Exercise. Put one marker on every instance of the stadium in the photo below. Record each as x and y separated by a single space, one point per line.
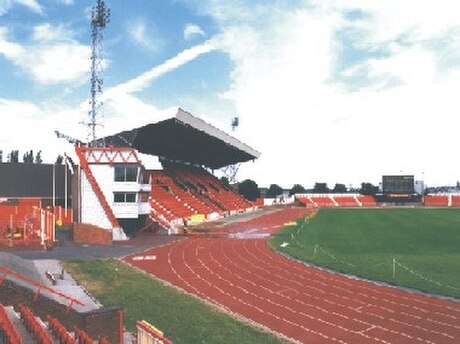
102 248
188 230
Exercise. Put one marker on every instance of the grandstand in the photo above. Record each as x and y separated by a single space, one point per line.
116 193
110 193
358 200
442 200
335 200
436 200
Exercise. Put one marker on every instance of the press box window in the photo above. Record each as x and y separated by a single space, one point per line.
124 197
125 174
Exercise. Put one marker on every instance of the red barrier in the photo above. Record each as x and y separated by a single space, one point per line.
82 337
25 222
33 326
8 272
8 332
59 331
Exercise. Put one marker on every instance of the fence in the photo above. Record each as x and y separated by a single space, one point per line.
25 222
149 334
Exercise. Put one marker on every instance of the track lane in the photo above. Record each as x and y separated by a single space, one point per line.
299 301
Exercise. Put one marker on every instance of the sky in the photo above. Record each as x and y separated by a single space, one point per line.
327 90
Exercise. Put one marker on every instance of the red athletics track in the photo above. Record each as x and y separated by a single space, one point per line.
303 303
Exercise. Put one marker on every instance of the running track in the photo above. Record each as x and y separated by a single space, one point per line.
302 303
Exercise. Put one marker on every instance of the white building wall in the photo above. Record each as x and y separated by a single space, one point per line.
105 176
91 209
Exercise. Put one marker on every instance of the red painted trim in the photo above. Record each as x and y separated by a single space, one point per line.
121 321
96 155
10 331
85 166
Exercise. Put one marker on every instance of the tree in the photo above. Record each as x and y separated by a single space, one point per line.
339 188
296 189
273 191
59 159
368 189
320 188
1 155
13 157
249 189
38 158
28 157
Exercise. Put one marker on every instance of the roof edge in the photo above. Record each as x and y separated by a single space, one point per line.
197 123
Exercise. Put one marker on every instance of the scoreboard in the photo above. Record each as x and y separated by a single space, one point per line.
398 185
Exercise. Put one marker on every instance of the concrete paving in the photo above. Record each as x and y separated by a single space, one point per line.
65 250
23 266
66 285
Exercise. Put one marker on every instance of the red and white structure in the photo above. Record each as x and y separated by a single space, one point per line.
110 187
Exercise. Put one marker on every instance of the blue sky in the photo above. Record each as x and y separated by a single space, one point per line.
327 90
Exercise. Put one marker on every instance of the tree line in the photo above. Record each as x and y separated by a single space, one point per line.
29 157
251 191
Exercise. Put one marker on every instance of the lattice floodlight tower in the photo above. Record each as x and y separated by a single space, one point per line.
100 17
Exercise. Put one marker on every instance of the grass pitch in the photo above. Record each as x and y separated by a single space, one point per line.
416 248
183 318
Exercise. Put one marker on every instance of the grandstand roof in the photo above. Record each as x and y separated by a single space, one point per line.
185 138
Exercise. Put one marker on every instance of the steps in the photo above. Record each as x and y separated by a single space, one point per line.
20 328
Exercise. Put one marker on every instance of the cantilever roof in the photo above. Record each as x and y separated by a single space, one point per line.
186 138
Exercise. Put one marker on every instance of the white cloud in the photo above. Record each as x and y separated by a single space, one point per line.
47 32
192 30
143 80
6 5
391 107
385 21
62 63
51 56
31 4
143 35
35 123
66 2
10 50
308 126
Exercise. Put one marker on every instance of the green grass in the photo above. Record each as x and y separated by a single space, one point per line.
364 242
183 319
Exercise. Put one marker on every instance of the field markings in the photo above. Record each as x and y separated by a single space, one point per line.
229 272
